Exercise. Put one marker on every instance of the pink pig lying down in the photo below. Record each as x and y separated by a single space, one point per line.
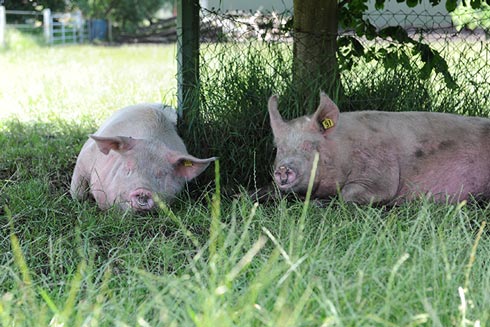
382 157
135 157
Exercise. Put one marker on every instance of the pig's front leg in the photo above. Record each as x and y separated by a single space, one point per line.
364 191
79 182
360 194
79 186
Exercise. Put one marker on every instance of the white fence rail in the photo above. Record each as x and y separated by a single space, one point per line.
3 23
58 28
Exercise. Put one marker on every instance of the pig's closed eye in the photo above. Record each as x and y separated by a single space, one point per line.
130 166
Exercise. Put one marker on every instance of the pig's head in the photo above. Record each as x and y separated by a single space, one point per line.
298 140
138 171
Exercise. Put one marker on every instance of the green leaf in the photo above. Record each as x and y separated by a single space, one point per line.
357 47
370 31
425 71
404 59
397 33
379 4
412 3
425 52
451 5
360 28
358 6
476 4
391 60
434 61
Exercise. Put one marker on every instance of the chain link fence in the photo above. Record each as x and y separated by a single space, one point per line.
247 56
465 51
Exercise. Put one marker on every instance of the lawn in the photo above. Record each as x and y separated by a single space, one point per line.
211 259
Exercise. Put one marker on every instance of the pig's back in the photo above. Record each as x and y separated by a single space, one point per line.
415 127
151 121
437 153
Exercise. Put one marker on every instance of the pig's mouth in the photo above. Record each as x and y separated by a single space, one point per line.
285 177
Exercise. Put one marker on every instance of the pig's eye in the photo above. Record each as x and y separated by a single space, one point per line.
130 165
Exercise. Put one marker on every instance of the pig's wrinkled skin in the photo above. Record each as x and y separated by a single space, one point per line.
383 157
135 157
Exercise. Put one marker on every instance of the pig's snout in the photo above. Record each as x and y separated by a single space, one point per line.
284 176
141 200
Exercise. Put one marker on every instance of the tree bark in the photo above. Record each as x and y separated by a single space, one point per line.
315 65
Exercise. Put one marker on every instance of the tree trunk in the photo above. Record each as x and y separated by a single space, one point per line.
315 65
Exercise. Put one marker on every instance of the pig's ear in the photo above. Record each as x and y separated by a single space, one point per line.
187 166
277 123
116 143
326 115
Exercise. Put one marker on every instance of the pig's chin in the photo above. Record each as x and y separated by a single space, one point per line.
288 187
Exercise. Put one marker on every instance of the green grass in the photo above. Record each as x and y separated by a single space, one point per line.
211 259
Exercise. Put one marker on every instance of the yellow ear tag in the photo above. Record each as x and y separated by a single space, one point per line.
187 163
327 123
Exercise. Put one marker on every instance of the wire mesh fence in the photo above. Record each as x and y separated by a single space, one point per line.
233 37
247 56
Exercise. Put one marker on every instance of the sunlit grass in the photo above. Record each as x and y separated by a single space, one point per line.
69 82
211 259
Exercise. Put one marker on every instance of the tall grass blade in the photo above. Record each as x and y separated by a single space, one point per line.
214 229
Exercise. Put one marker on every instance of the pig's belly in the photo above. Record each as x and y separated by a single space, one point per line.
451 181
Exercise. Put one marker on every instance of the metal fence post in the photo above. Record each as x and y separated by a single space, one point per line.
47 25
187 55
3 24
63 37
78 25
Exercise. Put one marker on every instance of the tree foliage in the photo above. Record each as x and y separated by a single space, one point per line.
125 13
466 16
322 58
37 5
351 16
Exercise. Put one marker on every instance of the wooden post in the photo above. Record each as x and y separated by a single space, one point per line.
315 65
187 55
3 24
47 26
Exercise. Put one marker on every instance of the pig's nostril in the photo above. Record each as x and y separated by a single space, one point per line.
284 175
142 200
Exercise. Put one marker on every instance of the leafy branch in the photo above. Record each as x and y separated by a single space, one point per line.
401 45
